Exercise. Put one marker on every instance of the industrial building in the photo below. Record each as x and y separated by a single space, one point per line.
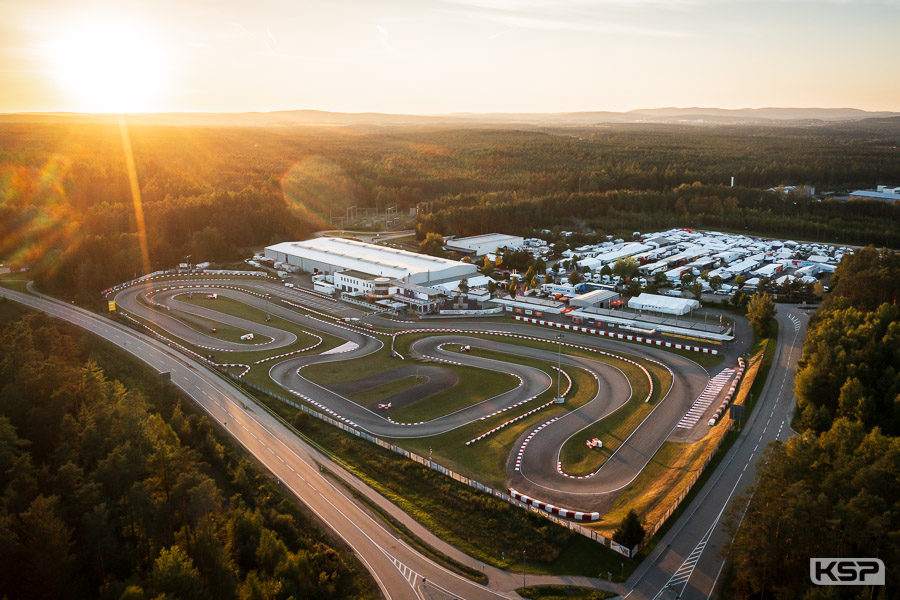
333 255
489 243
597 298
663 304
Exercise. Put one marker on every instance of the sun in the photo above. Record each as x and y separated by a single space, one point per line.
109 65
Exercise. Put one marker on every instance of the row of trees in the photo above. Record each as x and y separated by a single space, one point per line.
751 211
833 490
66 208
106 492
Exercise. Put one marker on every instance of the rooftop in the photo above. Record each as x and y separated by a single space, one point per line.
325 248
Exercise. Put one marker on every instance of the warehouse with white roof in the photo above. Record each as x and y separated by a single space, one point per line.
488 243
663 304
331 255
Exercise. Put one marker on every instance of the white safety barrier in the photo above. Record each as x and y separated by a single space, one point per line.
555 510
710 392
730 395
617 336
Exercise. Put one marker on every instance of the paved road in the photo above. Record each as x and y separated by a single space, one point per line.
400 571
539 476
686 563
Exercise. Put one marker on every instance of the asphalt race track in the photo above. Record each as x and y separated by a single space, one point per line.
399 566
539 476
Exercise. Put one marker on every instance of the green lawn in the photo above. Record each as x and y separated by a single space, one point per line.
474 385
578 459
482 526
485 460
224 332
563 592
13 281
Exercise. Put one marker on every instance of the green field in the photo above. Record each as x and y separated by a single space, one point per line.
563 592
578 459
485 460
474 386
224 332
494 531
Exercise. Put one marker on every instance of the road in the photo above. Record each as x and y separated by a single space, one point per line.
400 571
686 563
539 476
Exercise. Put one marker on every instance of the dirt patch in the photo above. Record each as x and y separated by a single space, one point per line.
434 379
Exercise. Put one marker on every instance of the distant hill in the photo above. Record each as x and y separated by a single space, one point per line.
289 118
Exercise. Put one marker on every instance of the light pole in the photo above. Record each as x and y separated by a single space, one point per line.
267 308
559 338
523 569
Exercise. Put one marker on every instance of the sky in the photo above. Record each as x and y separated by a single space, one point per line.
445 56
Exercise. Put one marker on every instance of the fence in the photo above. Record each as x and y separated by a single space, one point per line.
690 486
175 272
575 527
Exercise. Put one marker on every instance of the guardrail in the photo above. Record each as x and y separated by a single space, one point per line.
571 525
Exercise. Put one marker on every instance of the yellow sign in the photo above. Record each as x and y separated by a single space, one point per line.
112 305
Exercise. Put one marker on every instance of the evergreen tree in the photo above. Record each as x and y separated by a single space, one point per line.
630 532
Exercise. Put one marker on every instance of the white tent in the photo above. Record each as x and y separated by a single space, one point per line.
663 304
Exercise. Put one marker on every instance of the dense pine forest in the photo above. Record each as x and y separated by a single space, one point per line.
116 490
67 210
833 490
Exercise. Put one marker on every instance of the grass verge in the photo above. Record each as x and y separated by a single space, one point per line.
563 592
492 531
755 376
408 536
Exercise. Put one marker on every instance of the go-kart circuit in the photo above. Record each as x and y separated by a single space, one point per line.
297 336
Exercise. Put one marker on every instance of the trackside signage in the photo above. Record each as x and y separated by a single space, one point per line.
846 571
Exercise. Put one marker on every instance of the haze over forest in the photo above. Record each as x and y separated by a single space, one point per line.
690 115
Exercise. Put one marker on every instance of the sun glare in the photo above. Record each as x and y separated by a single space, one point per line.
109 65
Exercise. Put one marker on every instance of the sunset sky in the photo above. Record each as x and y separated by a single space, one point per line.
429 56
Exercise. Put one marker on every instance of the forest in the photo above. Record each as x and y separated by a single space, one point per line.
116 490
67 210
833 490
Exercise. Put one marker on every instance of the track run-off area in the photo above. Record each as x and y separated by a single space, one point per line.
478 396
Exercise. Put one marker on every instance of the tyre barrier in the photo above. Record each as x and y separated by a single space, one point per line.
528 439
730 395
617 336
555 510
710 392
